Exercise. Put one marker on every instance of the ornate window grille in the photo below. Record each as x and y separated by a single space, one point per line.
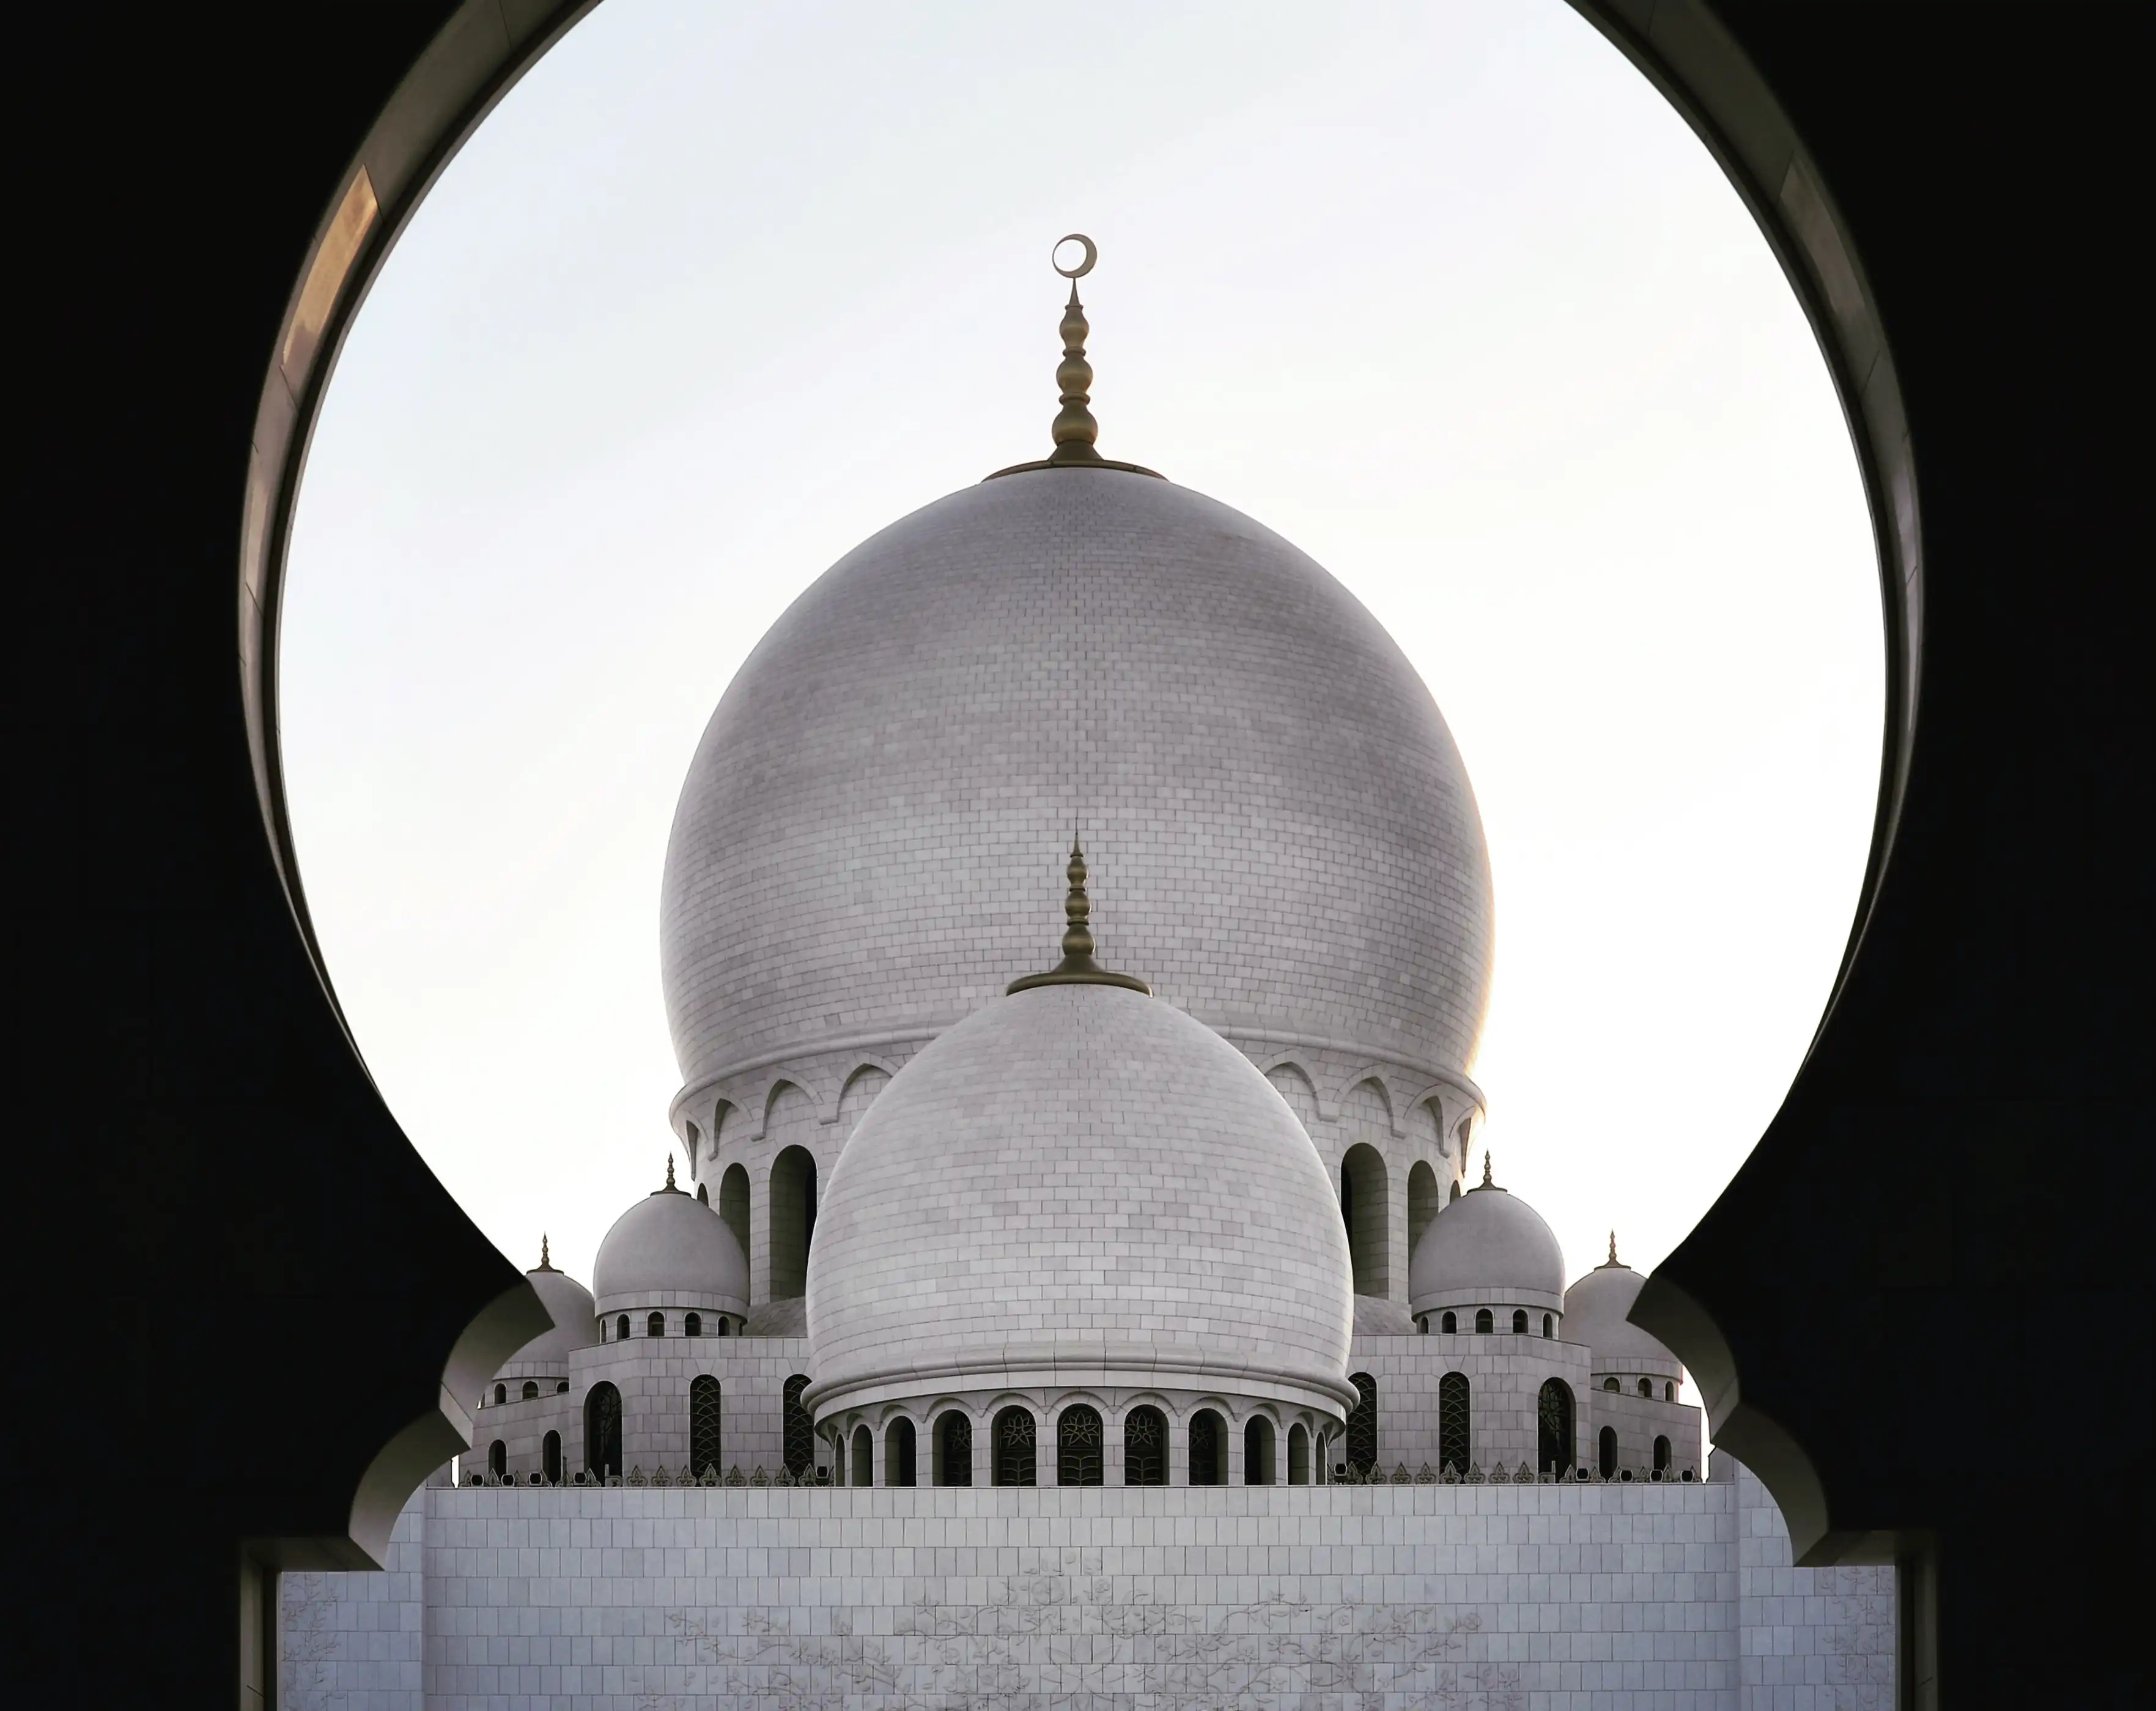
602 1428
704 1419
1362 1425
800 1431
1078 1447
1144 1447
1455 1446
1207 1451
1014 1443
954 1437
1553 1426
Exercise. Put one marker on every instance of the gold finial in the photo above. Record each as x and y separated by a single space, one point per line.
545 1263
1074 430
671 1189
1613 1248
1077 967
1487 1180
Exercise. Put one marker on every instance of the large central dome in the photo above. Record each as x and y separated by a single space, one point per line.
1284 837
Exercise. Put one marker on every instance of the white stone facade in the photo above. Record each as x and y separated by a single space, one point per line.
1526 1598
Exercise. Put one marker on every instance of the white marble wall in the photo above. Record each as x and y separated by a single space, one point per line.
1540 1598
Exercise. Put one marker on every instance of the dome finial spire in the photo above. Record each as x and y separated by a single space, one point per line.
1613 1247
1486 1181
545 1262
1075 430
1077 967
670 1173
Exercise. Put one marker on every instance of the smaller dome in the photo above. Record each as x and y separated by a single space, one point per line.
1594 1314
1489 1248
670 1250
575 1324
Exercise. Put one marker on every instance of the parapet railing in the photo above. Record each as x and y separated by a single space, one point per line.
819 1479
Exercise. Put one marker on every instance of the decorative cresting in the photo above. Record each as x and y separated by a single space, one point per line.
1077 967
1074 430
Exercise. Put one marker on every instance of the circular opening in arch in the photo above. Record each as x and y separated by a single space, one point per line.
512 552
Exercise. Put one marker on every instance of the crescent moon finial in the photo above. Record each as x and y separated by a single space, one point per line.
1084 267
1074 430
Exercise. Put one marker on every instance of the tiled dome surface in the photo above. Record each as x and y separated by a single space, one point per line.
1076 1176
1282 834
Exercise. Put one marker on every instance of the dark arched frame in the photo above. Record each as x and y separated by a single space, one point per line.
954 1449
898 1448
1012 1447
481 51
1363 1424
1605 1446
1080 1446
1209 1448
1366 1213
549 1457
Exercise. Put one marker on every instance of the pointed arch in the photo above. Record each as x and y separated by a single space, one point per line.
603 1431
1553 1427
734 1204
859 1092
1366 1105
792 1214
1292 1083
705 1449
1363 1424
1455 1439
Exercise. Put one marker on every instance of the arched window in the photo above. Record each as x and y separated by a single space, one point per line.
1456 1192
621 1328
549 1457
1449 1324
898 1452
497 1458
1144 1447
1606 1447
1298 1454
692 1325
1484 1321
726 1327
733 1203
603 1429
561 1387
1611 1384
793 1221
1553 1426
1423 1202
954 1450
703 1193
655 1326
1549 1325
1362 1210
1014 1448
501 1393
1363 1424
1647 1388
1422 1323
1208 1449
1662 1455
797 1430
1669 1392
1258 1451
864 1472
1454 1445
705 1450
530 1390
1078 1441
1519 1322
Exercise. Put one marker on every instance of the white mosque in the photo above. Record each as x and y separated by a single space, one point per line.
1114 1322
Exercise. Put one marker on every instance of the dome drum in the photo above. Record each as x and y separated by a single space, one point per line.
670 1252
1487 1249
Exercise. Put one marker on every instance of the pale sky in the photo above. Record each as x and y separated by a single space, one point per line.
1447 295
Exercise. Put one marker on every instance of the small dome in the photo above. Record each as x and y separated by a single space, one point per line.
1489 1248
1078 1183
575 1324
670 1250
1594 1314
